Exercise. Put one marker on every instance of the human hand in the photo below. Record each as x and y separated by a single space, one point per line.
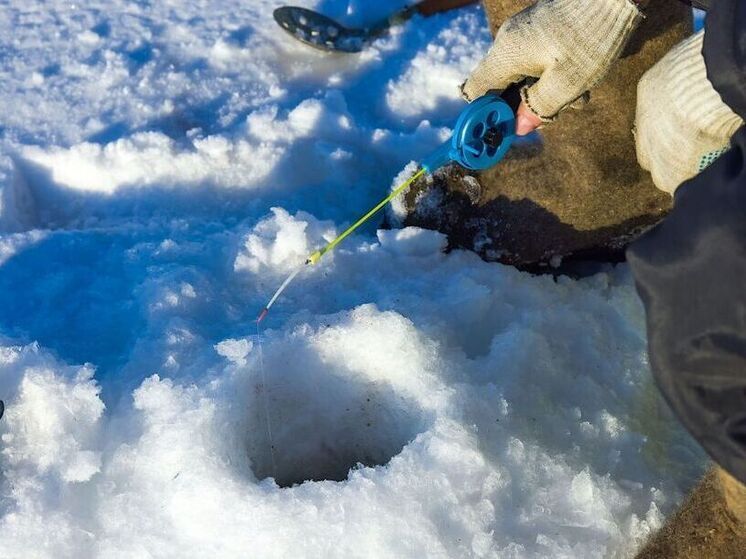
569 45
682 124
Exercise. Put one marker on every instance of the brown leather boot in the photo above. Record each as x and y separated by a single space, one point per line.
711 523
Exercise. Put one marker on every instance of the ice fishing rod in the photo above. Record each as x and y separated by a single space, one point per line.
483 134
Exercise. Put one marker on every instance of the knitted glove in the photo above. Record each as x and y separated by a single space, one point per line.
682 124
568 44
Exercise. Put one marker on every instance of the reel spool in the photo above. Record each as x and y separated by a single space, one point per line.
483 134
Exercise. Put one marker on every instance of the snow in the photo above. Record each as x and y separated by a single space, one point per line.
235 350
280 242
413 241
162 168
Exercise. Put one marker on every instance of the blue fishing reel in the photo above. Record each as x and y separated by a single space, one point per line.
483 134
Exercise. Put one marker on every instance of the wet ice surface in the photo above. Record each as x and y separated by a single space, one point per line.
162 170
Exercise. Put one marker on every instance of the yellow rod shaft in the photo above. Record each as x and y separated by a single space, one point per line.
316 256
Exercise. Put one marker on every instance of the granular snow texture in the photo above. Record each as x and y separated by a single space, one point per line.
162 167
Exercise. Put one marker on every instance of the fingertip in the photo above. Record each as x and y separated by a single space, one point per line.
523 126
526 120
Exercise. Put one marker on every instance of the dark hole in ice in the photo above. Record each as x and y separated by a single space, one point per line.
324 425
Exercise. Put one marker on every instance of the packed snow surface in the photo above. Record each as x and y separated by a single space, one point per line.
163 166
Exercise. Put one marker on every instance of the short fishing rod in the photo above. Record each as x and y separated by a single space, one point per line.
483 134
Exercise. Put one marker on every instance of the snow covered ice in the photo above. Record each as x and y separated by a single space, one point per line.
162 167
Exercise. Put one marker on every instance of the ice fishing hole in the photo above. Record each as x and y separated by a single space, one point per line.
325 422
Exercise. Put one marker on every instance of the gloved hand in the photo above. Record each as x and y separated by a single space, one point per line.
568 44
682 124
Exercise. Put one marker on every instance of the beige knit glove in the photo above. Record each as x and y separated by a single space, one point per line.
568 44
682 124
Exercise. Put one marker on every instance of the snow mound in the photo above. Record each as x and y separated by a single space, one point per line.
397 210
282 242
151 158
54 415
430 77
235 351
413 241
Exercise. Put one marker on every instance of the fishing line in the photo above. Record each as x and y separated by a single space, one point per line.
265 391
